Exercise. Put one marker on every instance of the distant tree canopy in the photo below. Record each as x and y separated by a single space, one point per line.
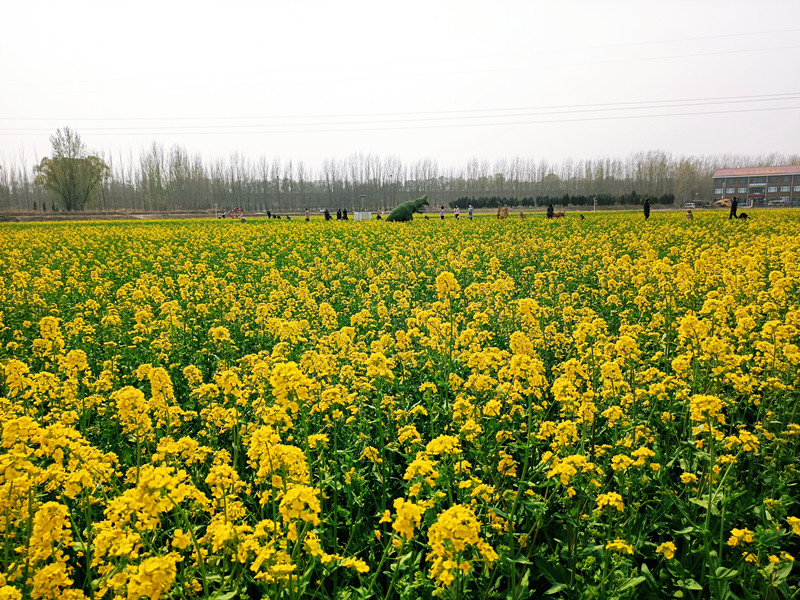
173 179
71 175
566 200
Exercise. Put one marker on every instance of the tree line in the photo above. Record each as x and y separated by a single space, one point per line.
566 200
167 180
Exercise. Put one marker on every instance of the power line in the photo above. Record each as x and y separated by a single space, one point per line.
124 132
632 104
416 120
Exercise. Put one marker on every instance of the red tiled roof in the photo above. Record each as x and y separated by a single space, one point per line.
745 171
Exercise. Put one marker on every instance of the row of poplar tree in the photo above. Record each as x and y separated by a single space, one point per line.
162 180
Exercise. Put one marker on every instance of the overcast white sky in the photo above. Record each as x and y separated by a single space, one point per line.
307 79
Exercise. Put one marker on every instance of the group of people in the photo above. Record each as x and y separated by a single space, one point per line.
341 215
690 216
456 212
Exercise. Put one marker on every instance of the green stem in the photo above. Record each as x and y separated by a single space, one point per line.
190 531
300 539
380 564
138 457
393 581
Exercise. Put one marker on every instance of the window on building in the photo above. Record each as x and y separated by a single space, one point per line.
786 179
719 181
785 199
797 188
718 191
772 188
729 190
758 180
784 188
742 191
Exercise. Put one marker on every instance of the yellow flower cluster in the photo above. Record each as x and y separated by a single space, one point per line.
454 539
740 536
611 500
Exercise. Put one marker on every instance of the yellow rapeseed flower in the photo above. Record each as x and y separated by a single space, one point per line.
667 549
620 545
611 500
794 523
740 536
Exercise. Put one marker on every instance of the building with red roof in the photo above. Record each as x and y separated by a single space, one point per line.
759 186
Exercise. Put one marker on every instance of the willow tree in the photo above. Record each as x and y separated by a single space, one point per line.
71 175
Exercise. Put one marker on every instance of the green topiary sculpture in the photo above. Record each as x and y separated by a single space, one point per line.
405 211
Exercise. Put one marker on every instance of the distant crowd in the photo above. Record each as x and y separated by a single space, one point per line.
502 213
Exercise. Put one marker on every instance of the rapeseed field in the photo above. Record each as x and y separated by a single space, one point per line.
604 408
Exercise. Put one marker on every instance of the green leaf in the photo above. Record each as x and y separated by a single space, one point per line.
691 584
555 589
553 572
645 570
725 573
783 572
769 538
521 591
500 512
631 583
731 496
704 504
403 559
588 550
784 589
526 578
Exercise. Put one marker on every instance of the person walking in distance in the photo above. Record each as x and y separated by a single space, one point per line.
734 206
441 213
457 212
550 211
469 212
647 208
308 216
